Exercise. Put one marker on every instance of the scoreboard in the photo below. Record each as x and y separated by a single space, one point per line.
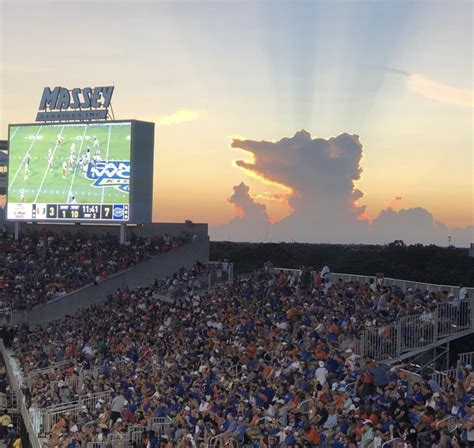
94 171
93 212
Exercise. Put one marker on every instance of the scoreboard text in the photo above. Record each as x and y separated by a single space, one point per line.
102 212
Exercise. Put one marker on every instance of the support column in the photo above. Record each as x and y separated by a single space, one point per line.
17 230
123 234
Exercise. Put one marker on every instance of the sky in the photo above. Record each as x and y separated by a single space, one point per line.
211 75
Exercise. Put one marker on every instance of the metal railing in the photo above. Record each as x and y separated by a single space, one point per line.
387 281
393 443
110 444
73 382
411 378
44 419
136 434
439 377
306 406
33 374
450 423
404 284
267 418
160 425
217 441
466 358
12 380
414 332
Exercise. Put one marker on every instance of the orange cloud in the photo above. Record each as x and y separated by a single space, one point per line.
265 180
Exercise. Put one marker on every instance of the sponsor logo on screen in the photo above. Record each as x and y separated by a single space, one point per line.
118 212
113 173
19 211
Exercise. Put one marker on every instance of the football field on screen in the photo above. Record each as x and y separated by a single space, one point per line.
42 184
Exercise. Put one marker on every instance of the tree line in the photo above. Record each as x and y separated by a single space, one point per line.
430 264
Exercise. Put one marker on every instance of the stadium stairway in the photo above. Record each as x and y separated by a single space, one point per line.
422 340
141 275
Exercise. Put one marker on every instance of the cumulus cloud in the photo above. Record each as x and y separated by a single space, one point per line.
416 225
251 221
316 177
413 225
246 206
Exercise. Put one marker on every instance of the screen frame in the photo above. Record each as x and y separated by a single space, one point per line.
75 220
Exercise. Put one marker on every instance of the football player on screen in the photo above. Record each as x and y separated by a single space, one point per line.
72 198
71 161
22 195
27 166
64 169
50 159
58 140
96 141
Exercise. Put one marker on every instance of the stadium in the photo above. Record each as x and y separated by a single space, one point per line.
127 335
121 330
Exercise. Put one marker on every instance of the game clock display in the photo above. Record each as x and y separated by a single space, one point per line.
108 212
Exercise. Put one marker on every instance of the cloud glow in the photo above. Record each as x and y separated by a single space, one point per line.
440 92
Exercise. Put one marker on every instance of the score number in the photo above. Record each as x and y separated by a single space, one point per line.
106 211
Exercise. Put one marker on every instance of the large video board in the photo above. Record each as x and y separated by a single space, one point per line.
70 172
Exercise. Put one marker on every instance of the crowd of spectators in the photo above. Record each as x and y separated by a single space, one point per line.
200 276
41 266
268 360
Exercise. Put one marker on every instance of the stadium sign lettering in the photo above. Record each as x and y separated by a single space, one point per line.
63 104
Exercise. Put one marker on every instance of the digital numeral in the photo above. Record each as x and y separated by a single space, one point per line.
106 212
52 211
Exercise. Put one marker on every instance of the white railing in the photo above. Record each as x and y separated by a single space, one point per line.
136 433
411 378
32 436
439 377
393 443
44 419
110 444
267 418
387 281
71 381
404 284
414 332
160 425
466 358
450 423
53 368
306 406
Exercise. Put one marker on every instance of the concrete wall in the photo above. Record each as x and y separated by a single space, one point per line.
143 274
155 229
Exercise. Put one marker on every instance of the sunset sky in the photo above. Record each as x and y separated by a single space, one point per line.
396 73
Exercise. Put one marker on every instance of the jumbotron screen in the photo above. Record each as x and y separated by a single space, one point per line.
69 172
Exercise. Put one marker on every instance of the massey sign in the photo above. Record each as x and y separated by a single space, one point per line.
60 104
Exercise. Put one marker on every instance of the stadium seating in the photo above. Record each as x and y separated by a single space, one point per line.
269 360
43 266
